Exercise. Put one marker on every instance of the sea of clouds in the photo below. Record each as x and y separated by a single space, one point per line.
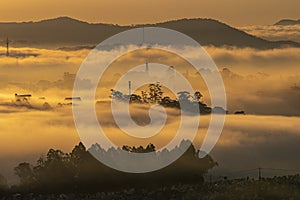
257 81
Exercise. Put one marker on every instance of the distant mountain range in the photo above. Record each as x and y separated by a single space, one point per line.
286 22
66 32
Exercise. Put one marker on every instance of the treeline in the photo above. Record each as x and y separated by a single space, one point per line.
155 95
79 171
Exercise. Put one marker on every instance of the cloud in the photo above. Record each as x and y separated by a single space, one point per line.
274 33
251 60
258 81
27 134
247 141
261 85
258 141
48 65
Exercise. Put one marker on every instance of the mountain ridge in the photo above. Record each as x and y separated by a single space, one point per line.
66 31
286 22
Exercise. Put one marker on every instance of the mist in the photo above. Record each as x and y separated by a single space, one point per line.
259 82
274 32
246 141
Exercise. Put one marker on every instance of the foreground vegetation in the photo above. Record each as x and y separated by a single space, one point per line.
79 171
277 188
78 175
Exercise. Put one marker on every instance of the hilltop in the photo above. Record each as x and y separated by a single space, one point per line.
286 22
65 31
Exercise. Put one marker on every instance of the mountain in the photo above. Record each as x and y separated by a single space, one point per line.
286 22
65 31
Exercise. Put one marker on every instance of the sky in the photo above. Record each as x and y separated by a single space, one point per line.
233 12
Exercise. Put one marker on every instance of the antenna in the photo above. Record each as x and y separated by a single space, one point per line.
143 35
129 87
7 46
147 67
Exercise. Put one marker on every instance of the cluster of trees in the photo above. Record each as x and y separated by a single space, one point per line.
3 184
80 171
149 148
155 95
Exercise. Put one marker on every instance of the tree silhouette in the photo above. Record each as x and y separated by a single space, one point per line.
197 96
134 98
25 172
115 94
150 148
145 97
3 183
55 170
184 96
155 93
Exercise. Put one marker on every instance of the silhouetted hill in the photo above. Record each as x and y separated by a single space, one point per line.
286 22
213 32
65 31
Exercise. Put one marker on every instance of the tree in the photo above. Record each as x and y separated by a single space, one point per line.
25 172
3 183
54 171
134 98
184 96
197 96
150 148
56 156
80 171
166 101
145 97
115 94
78 153
155 93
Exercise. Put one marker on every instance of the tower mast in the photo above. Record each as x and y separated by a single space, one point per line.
129 87
7 47
147 68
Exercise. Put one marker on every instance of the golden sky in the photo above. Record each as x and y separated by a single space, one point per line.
233 12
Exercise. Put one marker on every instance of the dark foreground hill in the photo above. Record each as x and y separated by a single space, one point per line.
65 31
